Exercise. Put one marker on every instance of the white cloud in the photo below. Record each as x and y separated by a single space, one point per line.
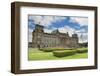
46 20
83 37
81 31
66 29
81 20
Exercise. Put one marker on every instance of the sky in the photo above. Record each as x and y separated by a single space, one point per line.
70 24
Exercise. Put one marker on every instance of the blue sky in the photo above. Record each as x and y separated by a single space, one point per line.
64 24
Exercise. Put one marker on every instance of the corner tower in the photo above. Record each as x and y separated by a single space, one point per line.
75 40
37 36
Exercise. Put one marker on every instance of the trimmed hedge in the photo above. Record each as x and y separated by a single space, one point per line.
53 49
46 49
82 50
78 50
64 53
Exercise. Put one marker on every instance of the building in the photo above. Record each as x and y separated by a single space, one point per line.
55 39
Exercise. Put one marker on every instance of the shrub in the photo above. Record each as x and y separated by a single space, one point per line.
62 49
47 49
82 50
53 49
63 53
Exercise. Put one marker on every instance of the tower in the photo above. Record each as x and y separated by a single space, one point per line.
75 40
37 36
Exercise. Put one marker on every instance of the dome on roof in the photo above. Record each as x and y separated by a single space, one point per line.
74 35
55 31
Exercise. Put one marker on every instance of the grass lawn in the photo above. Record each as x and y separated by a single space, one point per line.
35 54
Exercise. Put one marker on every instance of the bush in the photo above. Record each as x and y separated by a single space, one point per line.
46 49
82 50
63 53
62 49
53 49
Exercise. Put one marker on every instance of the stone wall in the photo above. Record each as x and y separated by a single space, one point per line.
52 40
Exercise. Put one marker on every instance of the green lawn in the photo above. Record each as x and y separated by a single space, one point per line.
35 54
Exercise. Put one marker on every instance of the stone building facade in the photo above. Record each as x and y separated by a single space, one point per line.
55 39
